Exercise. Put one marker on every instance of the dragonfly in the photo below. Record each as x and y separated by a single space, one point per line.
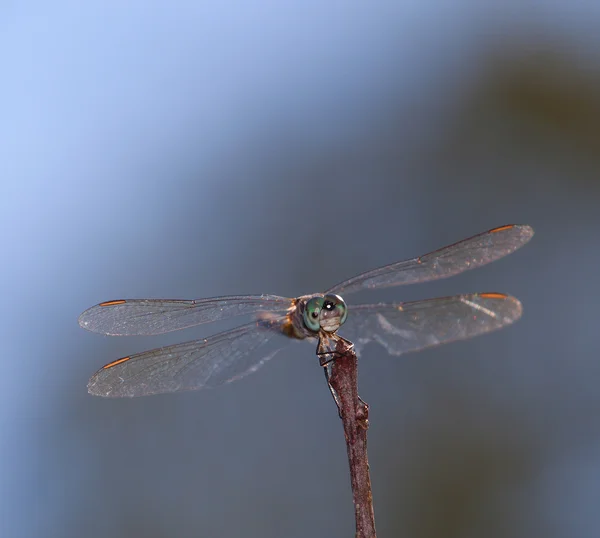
277 321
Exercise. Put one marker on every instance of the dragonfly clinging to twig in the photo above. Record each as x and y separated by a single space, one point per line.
230 355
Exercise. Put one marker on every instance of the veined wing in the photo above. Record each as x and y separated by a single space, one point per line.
451 260
207 362
134 317
405 327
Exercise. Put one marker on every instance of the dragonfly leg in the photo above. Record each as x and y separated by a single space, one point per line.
324 350
323 361
349 345
334 394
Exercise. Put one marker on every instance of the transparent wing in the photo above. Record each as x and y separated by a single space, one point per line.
451 260
207 362
134 317
405 327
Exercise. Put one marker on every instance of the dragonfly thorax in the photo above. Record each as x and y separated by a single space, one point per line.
325 312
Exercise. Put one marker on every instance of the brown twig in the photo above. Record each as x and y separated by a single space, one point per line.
341 376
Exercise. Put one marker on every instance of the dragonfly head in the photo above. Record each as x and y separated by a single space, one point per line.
325 313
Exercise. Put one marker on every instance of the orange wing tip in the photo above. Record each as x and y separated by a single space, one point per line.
114 363
113 303
493 295
502 228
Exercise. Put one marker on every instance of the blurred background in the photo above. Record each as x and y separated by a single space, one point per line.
194 149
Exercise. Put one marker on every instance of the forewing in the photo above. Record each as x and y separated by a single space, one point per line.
405 327
207 362
131 317
451 260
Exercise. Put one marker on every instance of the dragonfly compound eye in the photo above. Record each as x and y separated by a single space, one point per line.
333 313
312 313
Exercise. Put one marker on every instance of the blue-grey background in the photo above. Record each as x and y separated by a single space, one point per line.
193 149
